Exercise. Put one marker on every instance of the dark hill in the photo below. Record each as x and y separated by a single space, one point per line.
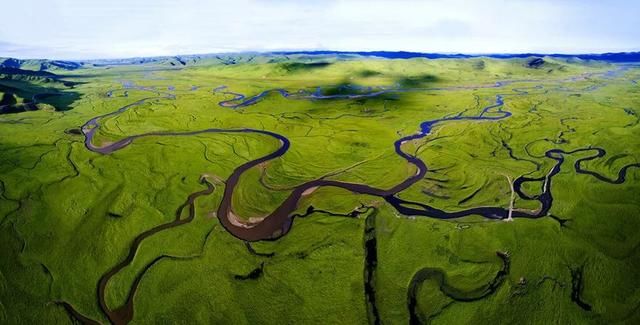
535 63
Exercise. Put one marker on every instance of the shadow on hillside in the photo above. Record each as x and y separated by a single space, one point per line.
21 96
419 81
292 67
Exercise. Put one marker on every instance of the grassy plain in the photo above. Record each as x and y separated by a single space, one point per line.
67 214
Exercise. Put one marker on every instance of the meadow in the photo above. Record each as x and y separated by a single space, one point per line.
69 213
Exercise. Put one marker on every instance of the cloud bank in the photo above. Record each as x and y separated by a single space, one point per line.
79 29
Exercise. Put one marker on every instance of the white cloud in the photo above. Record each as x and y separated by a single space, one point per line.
121 28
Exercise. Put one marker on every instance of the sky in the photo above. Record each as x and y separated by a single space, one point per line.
91 29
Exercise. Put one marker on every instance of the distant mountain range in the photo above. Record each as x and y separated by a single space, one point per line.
245 57
610 57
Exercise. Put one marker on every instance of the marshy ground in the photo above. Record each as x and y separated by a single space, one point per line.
311 189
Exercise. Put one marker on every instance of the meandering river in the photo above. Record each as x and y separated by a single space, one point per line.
280 220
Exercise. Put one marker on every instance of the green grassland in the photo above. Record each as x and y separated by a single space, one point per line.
67 214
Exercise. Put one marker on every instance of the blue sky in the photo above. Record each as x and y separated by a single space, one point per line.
84 29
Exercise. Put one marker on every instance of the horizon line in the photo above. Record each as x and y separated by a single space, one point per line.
328 51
